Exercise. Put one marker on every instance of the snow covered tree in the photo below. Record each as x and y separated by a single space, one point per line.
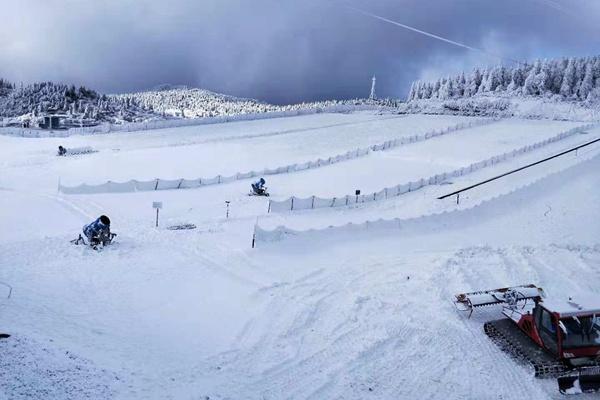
435 93
473 83
445 89
484 81
459 87
572 78
529 86
587 85
568 81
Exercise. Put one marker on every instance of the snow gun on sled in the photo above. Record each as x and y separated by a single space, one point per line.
102 240
560 339
259 188
73 151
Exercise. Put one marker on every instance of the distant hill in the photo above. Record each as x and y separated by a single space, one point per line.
80 106
84 107
193 103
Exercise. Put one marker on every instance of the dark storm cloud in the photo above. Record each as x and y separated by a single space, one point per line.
278 50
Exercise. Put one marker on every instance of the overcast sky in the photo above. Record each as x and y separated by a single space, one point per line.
280 50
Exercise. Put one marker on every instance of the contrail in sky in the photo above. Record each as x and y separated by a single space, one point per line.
557 7
431 35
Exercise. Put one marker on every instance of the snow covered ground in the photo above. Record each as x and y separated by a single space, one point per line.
199 314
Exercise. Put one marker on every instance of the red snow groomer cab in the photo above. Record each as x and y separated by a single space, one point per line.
559 338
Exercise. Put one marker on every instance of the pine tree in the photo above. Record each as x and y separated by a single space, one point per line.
435 93
566 88
587 85
516 81
460 85
411 92
579 75
444 92
484 81
529 86
493 80
473 84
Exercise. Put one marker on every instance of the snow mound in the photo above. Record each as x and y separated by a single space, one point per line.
33 370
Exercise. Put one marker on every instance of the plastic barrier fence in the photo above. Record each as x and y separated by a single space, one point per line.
162 184
424 222
295 203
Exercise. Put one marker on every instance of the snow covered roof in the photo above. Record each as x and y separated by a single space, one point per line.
575 306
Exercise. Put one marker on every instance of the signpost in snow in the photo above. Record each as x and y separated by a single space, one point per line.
157 205
227 212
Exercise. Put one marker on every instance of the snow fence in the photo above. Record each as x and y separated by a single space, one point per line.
420 223
313 202
164 184
174 123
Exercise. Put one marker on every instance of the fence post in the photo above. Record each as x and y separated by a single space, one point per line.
156 186
180 182
269 209
218 178
313 202
292 207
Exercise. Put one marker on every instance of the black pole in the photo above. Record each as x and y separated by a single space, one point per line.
518 169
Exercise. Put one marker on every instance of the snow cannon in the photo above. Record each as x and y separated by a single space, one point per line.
559 339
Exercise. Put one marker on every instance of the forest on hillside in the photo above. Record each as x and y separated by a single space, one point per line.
564 78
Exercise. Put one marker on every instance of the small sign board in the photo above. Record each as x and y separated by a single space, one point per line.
357 192
157 204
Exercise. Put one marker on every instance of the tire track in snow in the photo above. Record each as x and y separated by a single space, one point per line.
293 378
515 375
470 339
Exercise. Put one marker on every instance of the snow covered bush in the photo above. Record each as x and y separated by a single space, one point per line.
483 106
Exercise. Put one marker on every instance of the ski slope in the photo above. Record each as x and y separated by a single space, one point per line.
198 314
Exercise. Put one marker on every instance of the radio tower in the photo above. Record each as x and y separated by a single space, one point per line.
372 95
